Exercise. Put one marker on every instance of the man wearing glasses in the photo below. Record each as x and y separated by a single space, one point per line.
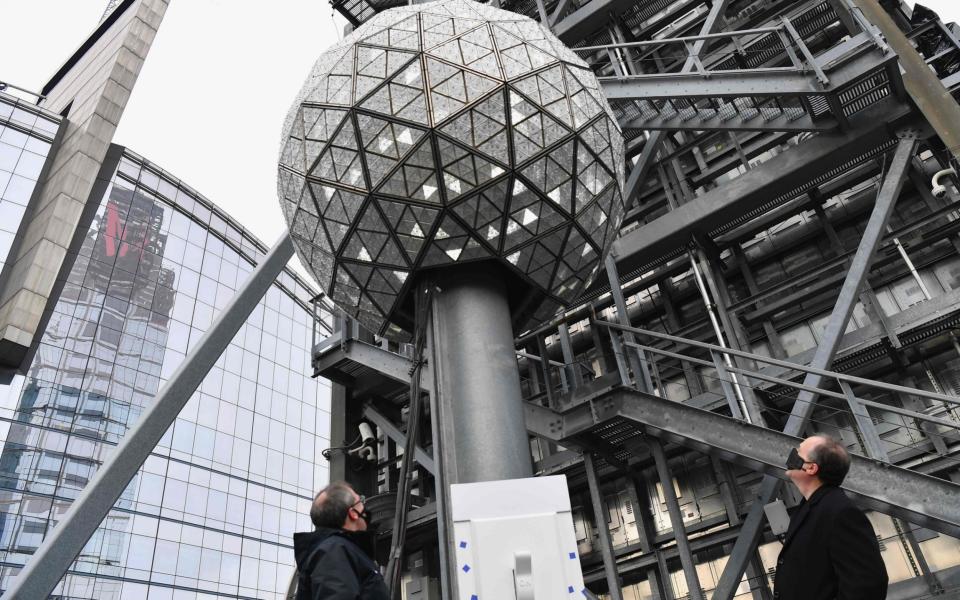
830 550
335 562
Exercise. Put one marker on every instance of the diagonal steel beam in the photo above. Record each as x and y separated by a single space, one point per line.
754 83
67 539
740 196
558 12
827 349
921 499
716 123
606 544
694 591
639 172
920 81
394 433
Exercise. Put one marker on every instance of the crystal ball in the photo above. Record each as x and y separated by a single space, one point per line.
442 134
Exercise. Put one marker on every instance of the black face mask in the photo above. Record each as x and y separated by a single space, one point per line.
368 518
794 462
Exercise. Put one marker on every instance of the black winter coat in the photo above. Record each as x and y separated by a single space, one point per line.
830 552
334 566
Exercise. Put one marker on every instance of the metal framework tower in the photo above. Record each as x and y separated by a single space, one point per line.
779 213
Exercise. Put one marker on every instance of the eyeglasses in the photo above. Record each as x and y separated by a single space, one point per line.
363 514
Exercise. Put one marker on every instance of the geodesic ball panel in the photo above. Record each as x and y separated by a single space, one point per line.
444 133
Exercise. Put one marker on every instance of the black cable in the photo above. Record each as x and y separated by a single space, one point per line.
399 535
328 452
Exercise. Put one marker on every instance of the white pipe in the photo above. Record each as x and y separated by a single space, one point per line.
938 189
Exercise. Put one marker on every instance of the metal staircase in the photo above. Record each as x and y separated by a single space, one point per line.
613 419
764 79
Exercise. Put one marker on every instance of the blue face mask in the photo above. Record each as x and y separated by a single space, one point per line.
794 462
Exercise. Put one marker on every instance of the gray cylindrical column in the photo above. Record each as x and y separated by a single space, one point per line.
481 380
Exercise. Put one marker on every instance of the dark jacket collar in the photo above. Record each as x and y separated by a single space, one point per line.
305 542
804 509
819 493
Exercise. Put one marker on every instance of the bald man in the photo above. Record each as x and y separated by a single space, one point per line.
336 560
830 550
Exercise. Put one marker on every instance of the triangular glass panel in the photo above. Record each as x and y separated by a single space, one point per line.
319 126
335 87
339 165
464 170
360 273
518 58
585 98
597 137
339 210
402 96
452 88
543 262
385 281
296 128
436 29
617 212
385 143
337 59
410 223
372 242
384 301
290 188
546 312
321 265
546 89
619 159
483 127
460 10
416 178
404 34
292 155
578 251
474 50
345 293
529 215
595 220
369 313
453 244
374 65
592 176
533 130
483 212
304 226
530 32
552 175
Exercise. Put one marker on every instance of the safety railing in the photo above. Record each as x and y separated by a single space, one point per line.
667 57
862 412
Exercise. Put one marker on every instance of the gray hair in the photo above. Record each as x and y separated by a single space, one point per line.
832 458
331 505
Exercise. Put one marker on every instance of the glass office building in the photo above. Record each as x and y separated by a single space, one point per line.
212 511
26 136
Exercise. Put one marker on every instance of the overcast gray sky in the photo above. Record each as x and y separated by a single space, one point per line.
212 96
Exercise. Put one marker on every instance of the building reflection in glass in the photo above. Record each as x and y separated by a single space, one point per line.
213 509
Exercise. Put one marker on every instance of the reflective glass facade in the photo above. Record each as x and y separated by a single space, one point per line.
212 511
26 134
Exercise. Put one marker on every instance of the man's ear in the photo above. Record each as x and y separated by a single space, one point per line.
814 469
